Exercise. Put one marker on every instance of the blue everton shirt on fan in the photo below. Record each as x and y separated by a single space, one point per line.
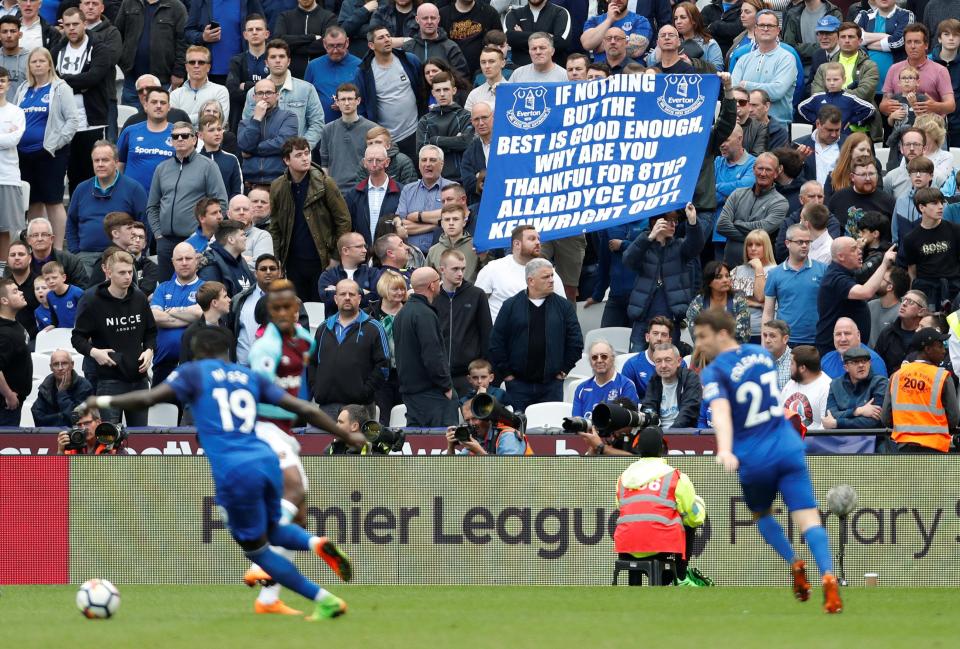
36 106
65 306
589 394
141 150
172 294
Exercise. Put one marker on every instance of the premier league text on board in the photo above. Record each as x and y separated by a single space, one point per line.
569 158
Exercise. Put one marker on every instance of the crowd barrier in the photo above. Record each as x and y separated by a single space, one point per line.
453 520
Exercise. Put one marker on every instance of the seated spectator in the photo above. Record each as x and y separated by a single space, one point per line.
174 306
353 266
452 222
214 303
934 126
209 216
846 334
853 110
224 258
806 392
43 314
894 341
210 134
542 67
777 135
492 62
464 315
261 136
394 255
446 125
344 140
40 237
752 208
675 391
750 277
478 152
597 71
932 249
885 308
775 335
63 298
60 393
606 385
198 87
633 33
874 241
790 292
821 149
815 218
855 146
640 368
259 242
863 195
495 438
130 236
734 167
717 293
754 135
855 401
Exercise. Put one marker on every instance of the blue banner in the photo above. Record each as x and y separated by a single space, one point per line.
570 158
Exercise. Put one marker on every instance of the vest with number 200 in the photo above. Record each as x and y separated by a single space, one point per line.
918 413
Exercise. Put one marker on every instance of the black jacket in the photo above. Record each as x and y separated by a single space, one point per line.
53 407
689 392
96 81
465 325
167 42
417 344
351 371
300 29
723 25
891 347
125 325
552 20
146 275
72 267
25 315
231 271
15 360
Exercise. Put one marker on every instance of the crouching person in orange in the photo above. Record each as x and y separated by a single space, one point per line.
659 511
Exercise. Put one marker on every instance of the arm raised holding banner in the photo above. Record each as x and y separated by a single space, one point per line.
693 242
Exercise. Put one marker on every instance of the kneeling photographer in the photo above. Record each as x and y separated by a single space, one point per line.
381 440
611 431
90 435
491 429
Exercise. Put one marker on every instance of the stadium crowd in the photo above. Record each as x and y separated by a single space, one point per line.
344 145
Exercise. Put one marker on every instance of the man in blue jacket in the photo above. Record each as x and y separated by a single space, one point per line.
108 191
536 340
220 33
261 137
855 401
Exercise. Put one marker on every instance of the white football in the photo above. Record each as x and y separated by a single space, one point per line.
842 499
98 599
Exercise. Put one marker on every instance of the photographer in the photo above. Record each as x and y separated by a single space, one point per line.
87 420
351 418
485 437
608 441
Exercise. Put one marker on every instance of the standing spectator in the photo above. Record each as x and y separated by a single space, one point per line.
214 302
542 67
723 22
610 245
249 66
775 335
855 401
344 140
807 391
392 289
142 86
733 168
800 22
503 278
846 336
224 259
948 35
755 208
883 27
424 375
209 216
759 109
792 287
821 149
175 307
262 135
567 257
393 255
690 24
863 195
607 385
893 343
12 57
538 16
12 126
446 125
308 216
934 79
841 296
178 183
37 31
931 250
466 22
810 192
750 278
922 418
453 221
355 18
143 146
431 41
115 328
199 88
128 235
303 28
108 191
769 67
243 307
420 200
40 238
328 72
478 152
664 284
51 121
391 76
674 392
861 72
828 44
352 266
754 135
491 67
16 364
351 360
637 31
296 95
153 42
464 315
61 296
374 196
259 242
20 271
218 26
533 370
60 393
398 16
717 293
210 133
814 218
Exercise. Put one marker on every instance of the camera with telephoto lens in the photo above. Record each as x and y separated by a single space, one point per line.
575 425
486 407
610 417
110 436
383 439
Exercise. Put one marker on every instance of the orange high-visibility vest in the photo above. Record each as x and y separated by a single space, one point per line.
918 414
649 520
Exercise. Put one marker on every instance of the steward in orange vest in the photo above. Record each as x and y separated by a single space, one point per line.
921 403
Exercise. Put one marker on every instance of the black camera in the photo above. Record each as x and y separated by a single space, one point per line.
78 439
575 425
464 432
609 417
383 439
486 407
111 436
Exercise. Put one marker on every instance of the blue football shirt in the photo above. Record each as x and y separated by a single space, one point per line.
141 150
65 306
172 294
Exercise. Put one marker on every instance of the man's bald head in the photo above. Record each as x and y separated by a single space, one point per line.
184 248
846 334
240 209
425 281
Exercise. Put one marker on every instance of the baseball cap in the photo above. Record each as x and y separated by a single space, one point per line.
828 24
925 336
856 353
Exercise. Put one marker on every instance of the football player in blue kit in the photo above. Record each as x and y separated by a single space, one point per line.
740 386
246 472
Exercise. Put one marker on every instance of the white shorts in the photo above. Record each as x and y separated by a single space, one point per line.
285 446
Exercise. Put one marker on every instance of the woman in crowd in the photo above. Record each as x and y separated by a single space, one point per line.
933 125
392 288
743 43
689 22
229 144
44 150
855 145
717 292
750 277
432 68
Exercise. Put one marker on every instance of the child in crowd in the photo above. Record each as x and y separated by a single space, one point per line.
63 298
480 374
42 313
853 110
905 213
904 117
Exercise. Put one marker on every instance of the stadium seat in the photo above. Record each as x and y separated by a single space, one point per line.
570 385
582 369
51 341
882 154
26 418
619 337
25 191
548 414
622 360
77 363
589 319
955 152
398 416
798 130
164 415
41 365
123 114
315 313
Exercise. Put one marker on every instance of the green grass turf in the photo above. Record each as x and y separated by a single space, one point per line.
211 617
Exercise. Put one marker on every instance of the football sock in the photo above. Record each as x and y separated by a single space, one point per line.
287 512
283 571
293 537
269 594
772 533
816 538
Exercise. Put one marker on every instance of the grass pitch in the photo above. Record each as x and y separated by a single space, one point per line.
210 617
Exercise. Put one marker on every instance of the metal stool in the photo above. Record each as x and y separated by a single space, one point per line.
637 568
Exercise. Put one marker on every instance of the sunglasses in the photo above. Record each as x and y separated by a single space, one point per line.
181 136
600 357
198 62
743 102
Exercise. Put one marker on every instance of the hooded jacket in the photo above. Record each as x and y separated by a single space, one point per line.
689 392
125 325
350 371
440 47
465 325
449 128
669 261
223 267
370 106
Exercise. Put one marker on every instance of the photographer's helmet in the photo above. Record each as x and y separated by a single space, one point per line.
649 442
